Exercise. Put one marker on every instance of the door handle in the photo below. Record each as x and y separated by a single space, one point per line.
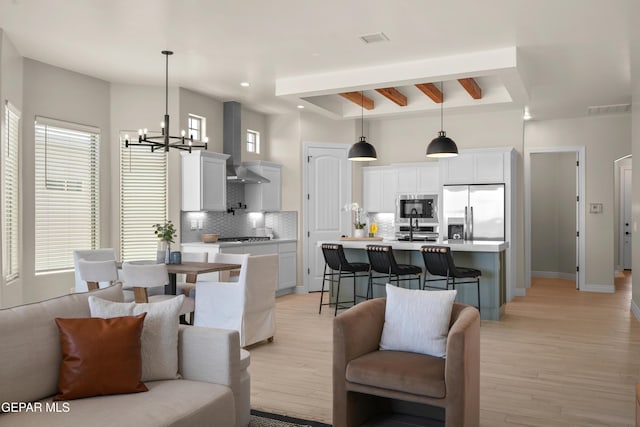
627 233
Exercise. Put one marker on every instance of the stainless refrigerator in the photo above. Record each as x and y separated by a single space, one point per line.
479 207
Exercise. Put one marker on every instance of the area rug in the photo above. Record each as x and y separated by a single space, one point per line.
267 419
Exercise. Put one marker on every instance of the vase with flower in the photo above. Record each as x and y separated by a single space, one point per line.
359 224
165 232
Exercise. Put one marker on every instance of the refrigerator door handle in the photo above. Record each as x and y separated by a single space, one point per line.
466 224
471 223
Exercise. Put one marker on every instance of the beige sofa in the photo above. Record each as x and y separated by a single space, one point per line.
210 392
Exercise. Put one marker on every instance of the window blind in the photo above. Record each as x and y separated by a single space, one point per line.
67 192
143 200
11 193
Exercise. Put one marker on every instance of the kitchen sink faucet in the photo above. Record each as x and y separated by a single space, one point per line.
414 210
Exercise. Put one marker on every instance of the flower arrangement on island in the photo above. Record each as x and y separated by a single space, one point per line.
359 215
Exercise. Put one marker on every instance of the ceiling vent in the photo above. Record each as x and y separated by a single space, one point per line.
374 38
608 109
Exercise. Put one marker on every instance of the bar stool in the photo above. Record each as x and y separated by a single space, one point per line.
335 259
384 262
439 262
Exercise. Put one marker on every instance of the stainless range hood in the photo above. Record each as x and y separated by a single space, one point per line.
232 145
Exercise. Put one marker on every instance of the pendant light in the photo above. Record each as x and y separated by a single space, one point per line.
442 146
362 151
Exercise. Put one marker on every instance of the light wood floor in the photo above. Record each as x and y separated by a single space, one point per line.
558 357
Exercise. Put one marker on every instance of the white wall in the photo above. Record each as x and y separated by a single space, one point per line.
553 214
11 69
634 51
64 95
204 106
255 121
605 138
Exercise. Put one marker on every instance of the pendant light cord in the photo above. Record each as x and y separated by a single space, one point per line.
362 113
442 107
166 86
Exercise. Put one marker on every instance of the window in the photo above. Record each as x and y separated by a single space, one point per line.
10 193
253 141
197 127
67 192
143 200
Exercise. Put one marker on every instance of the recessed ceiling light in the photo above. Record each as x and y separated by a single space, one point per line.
244 84
301 106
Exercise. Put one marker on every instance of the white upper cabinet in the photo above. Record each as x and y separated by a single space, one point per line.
204 181
485 166
428 178
420 178
379 188
265 197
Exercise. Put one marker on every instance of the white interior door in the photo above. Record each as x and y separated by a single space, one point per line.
578 236
328 189
626 219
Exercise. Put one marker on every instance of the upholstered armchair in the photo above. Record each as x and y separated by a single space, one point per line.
367 381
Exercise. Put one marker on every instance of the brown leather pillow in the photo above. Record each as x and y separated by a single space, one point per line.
100 356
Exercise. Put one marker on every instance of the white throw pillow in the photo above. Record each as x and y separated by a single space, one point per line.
159 341
417 321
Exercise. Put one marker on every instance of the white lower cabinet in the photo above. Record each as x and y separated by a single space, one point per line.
287 259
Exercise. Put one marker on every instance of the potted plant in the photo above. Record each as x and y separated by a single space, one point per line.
165 232
359 223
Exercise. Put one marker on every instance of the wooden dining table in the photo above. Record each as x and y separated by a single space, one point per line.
194 268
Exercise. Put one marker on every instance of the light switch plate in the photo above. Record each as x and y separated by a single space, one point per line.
194 224
200 224
595 208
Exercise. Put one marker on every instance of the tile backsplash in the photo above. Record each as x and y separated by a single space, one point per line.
239 222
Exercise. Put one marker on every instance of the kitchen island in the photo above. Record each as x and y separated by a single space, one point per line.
486 256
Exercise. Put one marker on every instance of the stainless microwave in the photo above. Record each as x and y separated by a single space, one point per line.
423 207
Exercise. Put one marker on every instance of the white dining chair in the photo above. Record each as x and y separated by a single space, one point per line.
248 305
95 272
101 254
142 277
190 280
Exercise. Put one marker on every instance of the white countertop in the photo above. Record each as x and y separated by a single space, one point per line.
245 243
456 246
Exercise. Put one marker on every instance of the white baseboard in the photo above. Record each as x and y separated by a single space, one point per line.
635 309
519 292
553 275
598 288
300 289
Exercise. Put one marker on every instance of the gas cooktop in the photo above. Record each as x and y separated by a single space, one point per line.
244 239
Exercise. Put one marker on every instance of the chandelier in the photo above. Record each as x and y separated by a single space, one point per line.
165 141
